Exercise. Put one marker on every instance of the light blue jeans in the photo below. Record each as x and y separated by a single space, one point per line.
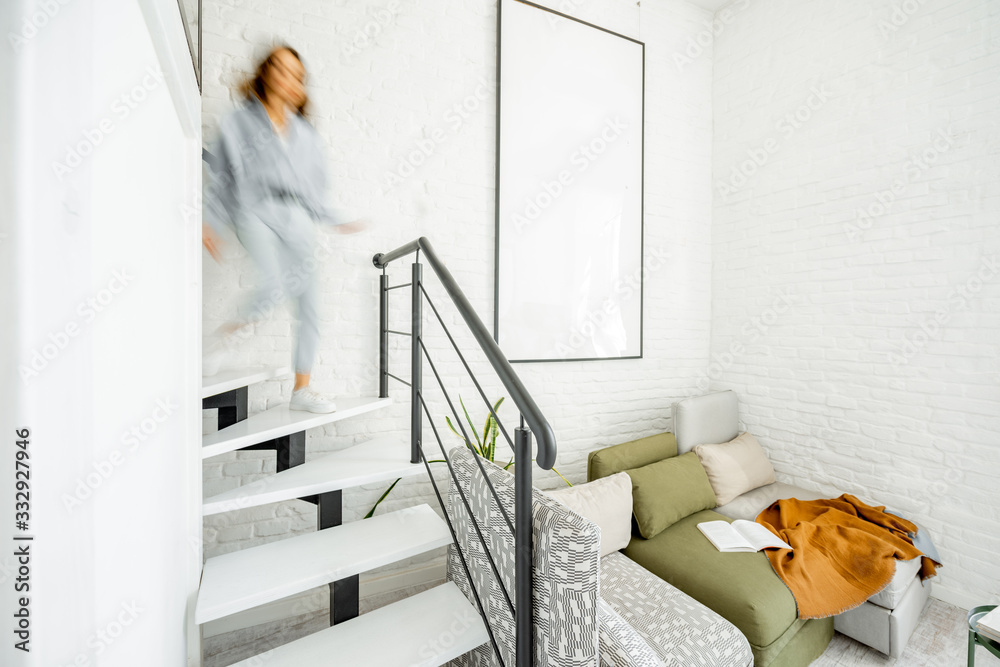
280 237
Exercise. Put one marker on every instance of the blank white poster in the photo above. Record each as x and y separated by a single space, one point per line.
569 196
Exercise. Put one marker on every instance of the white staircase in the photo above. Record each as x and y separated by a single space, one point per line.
425 630
407 632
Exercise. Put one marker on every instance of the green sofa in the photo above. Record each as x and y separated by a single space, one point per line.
740 587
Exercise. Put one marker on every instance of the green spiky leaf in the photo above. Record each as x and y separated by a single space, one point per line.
372 510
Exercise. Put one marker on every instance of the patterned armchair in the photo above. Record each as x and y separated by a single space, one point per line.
588 611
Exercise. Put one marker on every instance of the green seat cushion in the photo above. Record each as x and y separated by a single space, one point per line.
665 492
803 642
634 454
740 587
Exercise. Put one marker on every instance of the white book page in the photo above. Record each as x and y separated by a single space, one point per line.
757 535
722 535
991 621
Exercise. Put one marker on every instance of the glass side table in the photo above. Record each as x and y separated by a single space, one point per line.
976 639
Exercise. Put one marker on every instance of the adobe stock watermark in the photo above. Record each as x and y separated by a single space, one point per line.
455 118
121 108
581 159
957 300
899 16
88 310
786 126
104 637
453 634
936 487
365 36
914 167
750 331
698 43
45 12
131 440
599 322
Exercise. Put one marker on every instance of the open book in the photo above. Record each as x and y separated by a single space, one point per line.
740 536
989 625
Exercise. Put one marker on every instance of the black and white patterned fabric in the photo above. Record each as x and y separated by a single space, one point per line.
621 645
566 569
682 631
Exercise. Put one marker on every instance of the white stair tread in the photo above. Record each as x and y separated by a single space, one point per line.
252 577
373 461
280 420
425 630
227 380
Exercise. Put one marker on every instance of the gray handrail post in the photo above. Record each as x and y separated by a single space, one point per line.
416 424
383 336
524 654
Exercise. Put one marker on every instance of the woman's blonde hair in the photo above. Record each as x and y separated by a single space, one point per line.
253 86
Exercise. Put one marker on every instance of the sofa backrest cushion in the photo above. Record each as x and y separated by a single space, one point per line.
665 492
706 419
628 455
565 560
608 503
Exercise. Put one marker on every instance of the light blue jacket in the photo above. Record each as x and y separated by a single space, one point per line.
249 163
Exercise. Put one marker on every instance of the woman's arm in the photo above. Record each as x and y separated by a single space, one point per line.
343 221
219 205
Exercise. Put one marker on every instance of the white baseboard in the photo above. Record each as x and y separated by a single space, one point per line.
317 599
961 600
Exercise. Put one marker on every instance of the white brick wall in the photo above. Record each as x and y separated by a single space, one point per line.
855 249
373 106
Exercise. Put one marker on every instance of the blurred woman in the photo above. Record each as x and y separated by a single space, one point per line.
268 185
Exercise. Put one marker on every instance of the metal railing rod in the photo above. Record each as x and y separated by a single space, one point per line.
398 379
461 557
475 381
416 373
399 333
540 427
398 286
468 508
468 441
522 547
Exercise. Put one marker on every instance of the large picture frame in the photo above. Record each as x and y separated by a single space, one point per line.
569 188
191 18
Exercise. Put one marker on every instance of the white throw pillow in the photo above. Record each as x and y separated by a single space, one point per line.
735 467
608 503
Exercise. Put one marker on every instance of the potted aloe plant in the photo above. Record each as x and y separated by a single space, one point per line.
484 445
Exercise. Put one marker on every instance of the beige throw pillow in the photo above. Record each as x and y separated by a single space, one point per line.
735 467
608 503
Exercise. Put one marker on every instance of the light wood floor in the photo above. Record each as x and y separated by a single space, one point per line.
940 639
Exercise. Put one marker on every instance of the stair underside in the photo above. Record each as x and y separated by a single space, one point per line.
279 421
244 579
425 630
377 460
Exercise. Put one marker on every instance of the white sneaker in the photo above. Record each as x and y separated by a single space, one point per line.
311 401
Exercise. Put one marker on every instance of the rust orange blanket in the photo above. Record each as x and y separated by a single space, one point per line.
843 551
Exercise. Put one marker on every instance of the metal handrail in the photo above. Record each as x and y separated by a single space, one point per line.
540 427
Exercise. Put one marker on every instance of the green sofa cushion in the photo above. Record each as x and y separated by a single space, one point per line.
803 642
740 587
629 455
665 492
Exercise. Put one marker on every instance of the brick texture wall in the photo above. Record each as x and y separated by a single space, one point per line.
856 257
390 79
